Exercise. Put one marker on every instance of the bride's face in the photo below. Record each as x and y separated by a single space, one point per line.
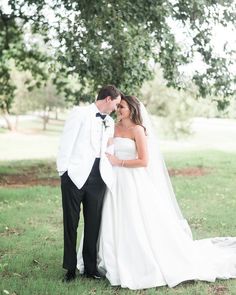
123 111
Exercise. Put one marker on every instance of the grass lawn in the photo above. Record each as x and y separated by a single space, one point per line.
31 141
31 225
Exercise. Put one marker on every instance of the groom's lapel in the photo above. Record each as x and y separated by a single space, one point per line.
93 129
93 123
105 135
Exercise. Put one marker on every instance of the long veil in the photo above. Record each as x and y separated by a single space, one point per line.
158 172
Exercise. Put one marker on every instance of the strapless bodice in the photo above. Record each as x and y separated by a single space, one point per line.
125 148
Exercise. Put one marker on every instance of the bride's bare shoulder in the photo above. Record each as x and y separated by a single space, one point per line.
138 128
138 132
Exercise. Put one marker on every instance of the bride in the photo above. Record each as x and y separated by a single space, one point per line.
144 240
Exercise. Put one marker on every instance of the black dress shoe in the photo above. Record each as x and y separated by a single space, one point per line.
69 276
96 275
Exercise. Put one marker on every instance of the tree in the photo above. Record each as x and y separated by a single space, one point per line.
114 41
175 108
44 99
47 99
118 42
16 49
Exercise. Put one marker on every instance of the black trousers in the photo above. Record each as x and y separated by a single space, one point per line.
91 196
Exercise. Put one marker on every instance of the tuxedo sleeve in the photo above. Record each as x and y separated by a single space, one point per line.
67 140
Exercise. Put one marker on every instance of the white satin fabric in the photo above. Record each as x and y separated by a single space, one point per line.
143 244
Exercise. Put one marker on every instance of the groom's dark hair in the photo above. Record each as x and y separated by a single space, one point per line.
108 90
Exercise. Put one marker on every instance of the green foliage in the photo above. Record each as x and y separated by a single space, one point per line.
218 81
175 107
115 45
100 42
6 87
14 48
44 99
118 42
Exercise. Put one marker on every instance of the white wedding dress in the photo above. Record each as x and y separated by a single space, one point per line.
143 244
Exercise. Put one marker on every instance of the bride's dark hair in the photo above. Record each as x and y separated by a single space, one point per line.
134 107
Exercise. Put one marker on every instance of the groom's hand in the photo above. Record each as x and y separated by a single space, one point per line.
114 160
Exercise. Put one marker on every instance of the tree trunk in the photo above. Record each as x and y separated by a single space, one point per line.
44 122
56 114
6 116
16 122
45 118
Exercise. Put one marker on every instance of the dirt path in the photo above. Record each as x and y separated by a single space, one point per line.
30 178
16 180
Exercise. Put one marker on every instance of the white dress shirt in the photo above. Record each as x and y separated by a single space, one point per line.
98 132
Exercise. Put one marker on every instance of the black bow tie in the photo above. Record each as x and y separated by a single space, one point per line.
101 116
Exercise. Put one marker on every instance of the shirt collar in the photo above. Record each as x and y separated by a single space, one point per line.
96 110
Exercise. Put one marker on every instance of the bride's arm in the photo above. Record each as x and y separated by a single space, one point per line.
141 145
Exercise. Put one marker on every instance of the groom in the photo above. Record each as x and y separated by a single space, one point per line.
85 172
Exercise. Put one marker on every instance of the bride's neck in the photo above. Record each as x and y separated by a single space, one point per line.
126 123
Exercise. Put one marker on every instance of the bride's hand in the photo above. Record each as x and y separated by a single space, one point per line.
113 160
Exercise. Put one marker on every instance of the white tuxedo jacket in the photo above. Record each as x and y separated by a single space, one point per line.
77 148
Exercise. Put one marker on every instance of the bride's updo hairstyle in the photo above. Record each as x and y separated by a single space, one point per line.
134 107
